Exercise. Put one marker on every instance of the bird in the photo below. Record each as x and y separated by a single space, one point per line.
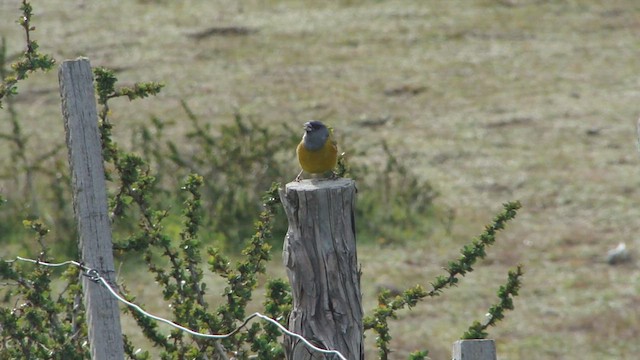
620 254
317 152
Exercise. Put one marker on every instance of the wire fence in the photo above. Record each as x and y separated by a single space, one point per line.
94 275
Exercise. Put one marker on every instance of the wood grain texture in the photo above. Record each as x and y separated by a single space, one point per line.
481 349
321 260
90 206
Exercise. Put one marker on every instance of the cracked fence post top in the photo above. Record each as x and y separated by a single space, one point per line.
322 265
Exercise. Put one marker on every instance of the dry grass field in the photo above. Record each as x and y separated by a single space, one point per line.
490 100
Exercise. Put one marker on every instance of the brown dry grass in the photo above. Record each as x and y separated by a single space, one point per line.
491 100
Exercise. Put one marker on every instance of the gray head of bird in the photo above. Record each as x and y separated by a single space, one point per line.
315 135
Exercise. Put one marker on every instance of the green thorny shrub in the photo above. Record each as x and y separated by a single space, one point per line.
30 61
240 159
22 168
470 253
44 323
183 284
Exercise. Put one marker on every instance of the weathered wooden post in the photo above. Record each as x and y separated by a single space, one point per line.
322 265
90 206
481 349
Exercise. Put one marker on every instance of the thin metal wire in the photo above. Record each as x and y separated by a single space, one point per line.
70 262
95 276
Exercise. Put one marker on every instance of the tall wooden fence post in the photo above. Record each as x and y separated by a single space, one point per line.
322 265
90 206
481 349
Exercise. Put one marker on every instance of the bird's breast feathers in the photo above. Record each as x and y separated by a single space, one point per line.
318 161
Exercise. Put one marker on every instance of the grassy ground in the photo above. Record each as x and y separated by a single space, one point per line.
490 100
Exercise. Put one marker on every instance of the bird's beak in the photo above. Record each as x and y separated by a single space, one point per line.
307 127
